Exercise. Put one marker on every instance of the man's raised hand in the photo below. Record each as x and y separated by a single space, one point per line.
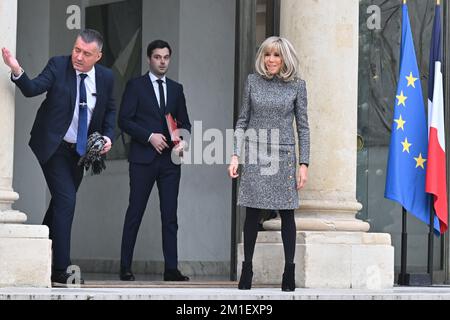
11 62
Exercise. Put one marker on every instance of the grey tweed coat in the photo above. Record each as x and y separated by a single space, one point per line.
264 140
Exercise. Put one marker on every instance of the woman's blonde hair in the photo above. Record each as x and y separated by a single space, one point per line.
289 69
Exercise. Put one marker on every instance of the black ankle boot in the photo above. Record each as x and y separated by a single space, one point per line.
288 283
245 283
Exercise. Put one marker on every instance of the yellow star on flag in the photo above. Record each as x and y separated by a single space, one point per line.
401 99
406 145
411 80
400 123
420 161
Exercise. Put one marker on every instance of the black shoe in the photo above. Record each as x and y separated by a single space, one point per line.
64 278
126 275
174 275
288 283
245 283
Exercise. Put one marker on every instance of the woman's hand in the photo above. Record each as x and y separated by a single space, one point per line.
233 167
302 176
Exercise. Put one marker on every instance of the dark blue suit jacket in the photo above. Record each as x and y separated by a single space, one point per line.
140 115
54 116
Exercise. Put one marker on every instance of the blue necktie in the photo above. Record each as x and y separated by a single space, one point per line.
82 119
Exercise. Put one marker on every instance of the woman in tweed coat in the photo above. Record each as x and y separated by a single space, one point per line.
265 144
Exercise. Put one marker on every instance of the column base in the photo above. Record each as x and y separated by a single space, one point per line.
338 260
321 224
25 256
12 217
325 215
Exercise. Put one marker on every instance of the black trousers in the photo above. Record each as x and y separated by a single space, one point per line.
142 179
63 177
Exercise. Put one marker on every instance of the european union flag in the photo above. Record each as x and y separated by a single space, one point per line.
405 180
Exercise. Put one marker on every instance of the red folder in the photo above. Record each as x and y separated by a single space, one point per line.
172 124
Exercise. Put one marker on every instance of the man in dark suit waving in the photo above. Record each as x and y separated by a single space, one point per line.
78 102
145 103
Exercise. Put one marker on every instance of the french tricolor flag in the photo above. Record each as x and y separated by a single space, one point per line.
436 176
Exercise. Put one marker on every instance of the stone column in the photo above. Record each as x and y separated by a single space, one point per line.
25 251
325 35
333 248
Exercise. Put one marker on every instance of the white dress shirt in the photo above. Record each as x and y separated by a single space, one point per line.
154 78
155 84
91 91
15 78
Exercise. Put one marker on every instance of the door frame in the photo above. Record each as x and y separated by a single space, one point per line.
245 54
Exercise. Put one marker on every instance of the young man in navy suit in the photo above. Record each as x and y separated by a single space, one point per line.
145 103
79 102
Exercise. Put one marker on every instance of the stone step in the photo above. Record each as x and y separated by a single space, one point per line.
221 293
161 284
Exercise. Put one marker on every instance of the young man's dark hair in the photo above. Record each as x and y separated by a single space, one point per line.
157 44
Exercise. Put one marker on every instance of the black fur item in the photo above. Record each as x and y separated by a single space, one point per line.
93 159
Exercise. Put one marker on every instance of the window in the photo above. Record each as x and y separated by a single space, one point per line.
122 51
378 73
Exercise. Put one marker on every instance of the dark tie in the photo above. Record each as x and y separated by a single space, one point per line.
82 118
162 98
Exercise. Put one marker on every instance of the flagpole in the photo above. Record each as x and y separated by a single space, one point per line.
431 229
402 277
431 244
446 37
405 278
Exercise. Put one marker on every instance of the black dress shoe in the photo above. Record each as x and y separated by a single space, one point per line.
64 278
126 275
174 275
